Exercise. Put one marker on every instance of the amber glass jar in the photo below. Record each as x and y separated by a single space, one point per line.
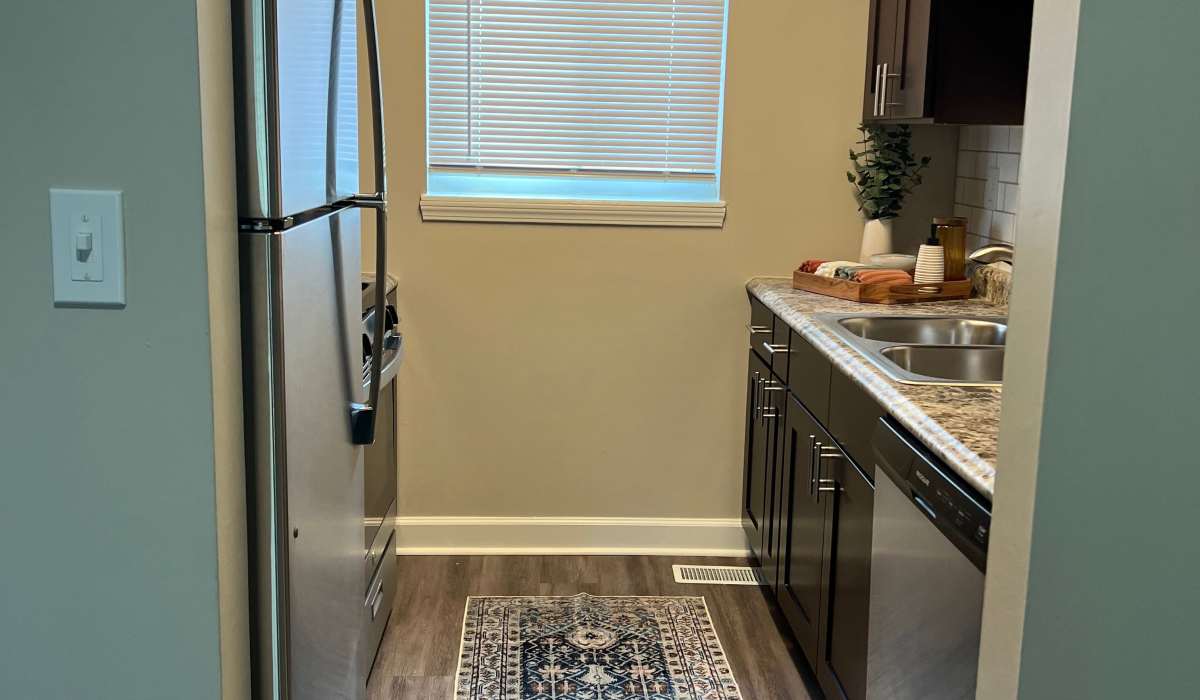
952 232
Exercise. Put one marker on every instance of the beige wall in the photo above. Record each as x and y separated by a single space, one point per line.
583 371
229 470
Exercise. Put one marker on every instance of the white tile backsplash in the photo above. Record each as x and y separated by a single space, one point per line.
987 192
991 194
1004 226
970 191
967 161
1009 164
1010 197
1016 136
983 219
985 163
998 138
974 138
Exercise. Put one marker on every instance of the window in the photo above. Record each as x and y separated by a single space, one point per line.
587 106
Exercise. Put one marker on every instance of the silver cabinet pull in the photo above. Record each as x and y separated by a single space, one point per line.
773 348
813 447
773 385
762 397
883 91
769 411
875 97
883 103
825 452
757 330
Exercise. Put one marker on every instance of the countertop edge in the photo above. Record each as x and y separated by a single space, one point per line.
975 470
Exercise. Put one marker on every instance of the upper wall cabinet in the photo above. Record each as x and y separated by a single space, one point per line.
947 61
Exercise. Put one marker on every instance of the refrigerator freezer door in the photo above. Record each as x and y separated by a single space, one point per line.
297 105
301 333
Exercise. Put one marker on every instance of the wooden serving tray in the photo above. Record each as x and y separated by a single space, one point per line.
881 293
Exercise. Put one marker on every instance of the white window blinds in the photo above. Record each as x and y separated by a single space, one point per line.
587 86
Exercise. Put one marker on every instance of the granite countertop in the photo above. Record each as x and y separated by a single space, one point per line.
958 424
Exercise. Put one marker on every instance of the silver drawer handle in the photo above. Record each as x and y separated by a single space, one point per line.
822 453
883 85
775 347
813 446
875 105
757 330
883 103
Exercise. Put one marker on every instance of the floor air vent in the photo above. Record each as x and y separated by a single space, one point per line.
717 575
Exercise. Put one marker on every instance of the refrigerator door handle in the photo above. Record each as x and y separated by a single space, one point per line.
362 416
377 130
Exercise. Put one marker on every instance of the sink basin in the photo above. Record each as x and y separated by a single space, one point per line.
939 350
917 330
971 365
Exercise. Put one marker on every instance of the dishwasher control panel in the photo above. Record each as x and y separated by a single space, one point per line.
946 501
953 506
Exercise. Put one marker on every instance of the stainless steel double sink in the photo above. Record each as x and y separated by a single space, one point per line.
949 350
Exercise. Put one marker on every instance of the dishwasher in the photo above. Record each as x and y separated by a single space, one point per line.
928 556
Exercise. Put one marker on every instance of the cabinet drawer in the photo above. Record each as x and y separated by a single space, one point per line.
762 328
377 608
852 418
808 376
778 348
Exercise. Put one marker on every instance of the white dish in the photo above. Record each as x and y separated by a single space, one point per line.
895 261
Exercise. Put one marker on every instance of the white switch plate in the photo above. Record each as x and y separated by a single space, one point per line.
87 239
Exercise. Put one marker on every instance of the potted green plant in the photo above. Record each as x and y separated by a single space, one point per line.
884 173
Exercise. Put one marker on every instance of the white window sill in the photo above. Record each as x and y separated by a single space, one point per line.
589 200
584 212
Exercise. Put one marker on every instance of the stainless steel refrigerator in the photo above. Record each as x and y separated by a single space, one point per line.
307 419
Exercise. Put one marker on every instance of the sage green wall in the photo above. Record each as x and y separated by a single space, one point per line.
107 508
1113 600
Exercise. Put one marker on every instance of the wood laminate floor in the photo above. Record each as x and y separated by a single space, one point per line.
419 654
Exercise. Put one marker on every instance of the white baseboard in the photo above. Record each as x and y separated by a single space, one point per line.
698 537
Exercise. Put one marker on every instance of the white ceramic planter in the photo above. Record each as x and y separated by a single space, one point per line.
877 239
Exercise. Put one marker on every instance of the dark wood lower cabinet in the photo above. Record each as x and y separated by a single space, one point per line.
846 580
758 452
807 510
799 589
772 418
853 415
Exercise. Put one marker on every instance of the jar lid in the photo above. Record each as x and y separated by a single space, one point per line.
949 221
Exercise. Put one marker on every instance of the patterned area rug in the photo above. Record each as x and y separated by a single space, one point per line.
591 648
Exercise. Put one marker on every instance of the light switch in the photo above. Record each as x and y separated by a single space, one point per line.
88 247
88 264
